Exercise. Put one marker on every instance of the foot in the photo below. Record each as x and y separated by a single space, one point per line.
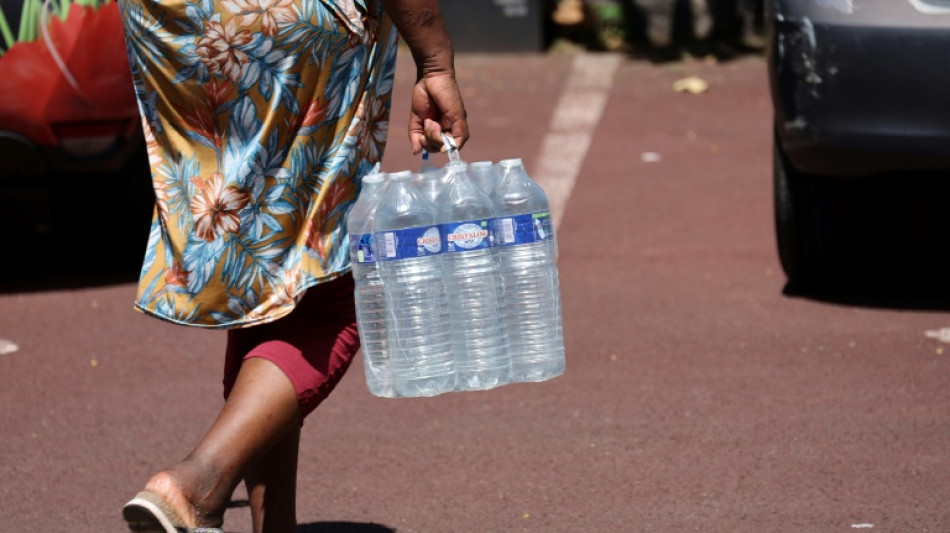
195 509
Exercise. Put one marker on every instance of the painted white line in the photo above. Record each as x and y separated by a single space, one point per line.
576 115
942 334
7 347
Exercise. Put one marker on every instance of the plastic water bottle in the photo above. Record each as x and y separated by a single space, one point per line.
526 252
427 163
485 175
408 247
370 311
472 283
430 179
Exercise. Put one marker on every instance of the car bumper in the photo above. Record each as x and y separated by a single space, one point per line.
23 159
30 173
860 89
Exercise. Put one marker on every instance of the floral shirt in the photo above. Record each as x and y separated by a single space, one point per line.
260 116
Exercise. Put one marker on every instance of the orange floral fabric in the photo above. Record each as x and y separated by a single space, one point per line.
260 116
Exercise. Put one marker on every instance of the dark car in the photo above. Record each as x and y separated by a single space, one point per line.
71 145
861 93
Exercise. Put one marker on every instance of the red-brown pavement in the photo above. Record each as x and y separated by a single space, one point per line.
698 396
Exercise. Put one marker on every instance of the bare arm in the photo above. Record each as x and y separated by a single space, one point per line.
436 104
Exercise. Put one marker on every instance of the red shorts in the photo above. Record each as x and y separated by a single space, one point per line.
313 345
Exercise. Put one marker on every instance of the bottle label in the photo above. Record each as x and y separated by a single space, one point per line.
361 248
523 229
467 235
408 243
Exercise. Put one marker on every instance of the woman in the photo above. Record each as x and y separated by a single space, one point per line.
260 118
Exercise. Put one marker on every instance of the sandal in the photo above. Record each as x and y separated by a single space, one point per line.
148 512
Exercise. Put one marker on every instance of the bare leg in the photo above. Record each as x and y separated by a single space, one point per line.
260 413
272 487
659 21
702 19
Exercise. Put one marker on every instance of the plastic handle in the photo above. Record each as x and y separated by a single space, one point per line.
451 147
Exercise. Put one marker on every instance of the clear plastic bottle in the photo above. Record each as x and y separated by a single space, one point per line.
408 252
485 175
429 180
472 283
427 163
527 254
370 310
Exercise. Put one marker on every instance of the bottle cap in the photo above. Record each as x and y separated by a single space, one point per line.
375 177
401 176
480 164
516 162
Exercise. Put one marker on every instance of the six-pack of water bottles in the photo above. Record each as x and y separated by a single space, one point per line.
456 280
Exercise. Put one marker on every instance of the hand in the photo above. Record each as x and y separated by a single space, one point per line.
436 107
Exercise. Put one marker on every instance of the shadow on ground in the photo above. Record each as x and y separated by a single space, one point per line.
343 527
924 294
328 527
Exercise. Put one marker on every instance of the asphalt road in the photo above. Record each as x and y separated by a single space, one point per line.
701 394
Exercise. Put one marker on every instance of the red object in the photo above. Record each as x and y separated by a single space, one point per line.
35 94
313 345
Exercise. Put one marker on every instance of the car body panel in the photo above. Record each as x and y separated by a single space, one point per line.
77 114
860 87
71 141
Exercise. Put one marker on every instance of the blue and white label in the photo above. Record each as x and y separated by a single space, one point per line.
523 229
361 248
408 243
467 235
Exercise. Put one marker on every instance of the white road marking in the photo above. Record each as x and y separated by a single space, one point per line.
7 347
576 115
942 334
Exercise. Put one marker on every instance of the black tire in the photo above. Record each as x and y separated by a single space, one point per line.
814 224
